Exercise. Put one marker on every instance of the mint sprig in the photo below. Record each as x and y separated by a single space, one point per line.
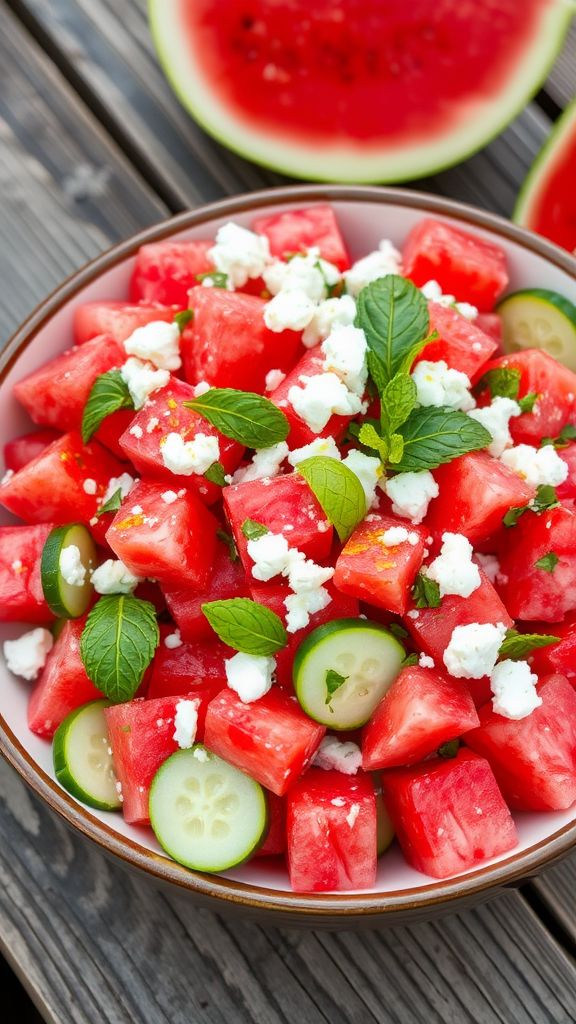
227 539
338 490
546 498
504 382
518 645
433 436
108 394
566 435
333 683
252 530
426 592
393 314
548 562
183 318
112 505
218 278
246 625
215 474
118 643
250 419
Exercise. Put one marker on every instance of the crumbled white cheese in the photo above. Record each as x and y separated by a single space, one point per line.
157 342
301 606
321 397
142 380
185 723
173 640
123 483
385 260
396 535
153 422
266 462
411 494
201 388
496 419
289 310
329 314
270 554
344 352
368 469
136 431
341 755
240 254
453 569
274 379
169 497
187 457
437 384
27 655
201 755
536 466
90 486
325 446
71 566
514 687
473 649
304 576
425 661
353 814
489 565
307 273
113 577
249 675
433 292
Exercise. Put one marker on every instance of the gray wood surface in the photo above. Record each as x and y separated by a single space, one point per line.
93 145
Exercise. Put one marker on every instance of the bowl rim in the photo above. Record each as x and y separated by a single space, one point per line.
415 900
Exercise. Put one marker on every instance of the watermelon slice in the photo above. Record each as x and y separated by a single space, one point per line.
547 202
359 90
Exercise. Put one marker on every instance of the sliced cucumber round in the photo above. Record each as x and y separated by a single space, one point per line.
205 813
67 600
540 318
343 669
83 760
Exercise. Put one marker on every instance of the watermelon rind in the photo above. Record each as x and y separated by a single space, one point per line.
354 163
564 131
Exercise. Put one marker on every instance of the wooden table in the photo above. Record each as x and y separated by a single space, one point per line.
93 146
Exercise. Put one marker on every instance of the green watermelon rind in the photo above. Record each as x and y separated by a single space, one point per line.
350 165
535 182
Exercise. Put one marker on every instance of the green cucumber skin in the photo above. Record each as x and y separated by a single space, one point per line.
61 770
559 302
50 570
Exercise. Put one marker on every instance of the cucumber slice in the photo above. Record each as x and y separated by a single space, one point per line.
363 652
539 318
205 813
82 759
67 600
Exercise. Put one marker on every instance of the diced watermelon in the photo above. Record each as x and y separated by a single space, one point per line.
117 319
421 710
21 595
196 668
449 815
164 272
534 759
331 828
275 842
461 343
529 591
370 570
300 230
567 490
21 450
559 657
271 739
111 429
63 685
310 365
555 386
173 543
491 324
464 265
228 580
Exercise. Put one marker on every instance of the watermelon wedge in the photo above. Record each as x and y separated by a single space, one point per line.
356 90
547 201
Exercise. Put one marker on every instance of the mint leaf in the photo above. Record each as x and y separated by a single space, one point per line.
183 317
369 436
376 370
528 402
502 381
109 393
426 592
338 491
545 499
246 626
398 400
393 314
433 436
227 539
250 419
412 353
218 278
518 645
113 503
215 474
333 683
410 659
396 449
118 643
449 749
252 530
566 435
548 562
398 631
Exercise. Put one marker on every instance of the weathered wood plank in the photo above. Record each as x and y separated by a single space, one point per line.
67 191
557 890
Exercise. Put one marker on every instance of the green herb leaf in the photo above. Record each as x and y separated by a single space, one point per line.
433 436
567 434
118 643
218 277
377 371
396 449
182 318
246 626
369 436
398 400
333 683
410 659
338 490
528 402
108 394
449 749
252 530
548 562
503 381
398 631
112 505
518 645
393 314
250 419
426 592
215 474
545 499
412 353
227 539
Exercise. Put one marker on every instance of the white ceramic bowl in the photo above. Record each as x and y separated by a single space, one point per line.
365 215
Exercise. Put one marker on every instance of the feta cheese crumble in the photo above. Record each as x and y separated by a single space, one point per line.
425 661
453 569
353 814
266 462
343 756
473 649
71 566
169 497
433 292
27 655
411 494
396 535
306 273
496 419
272 556
537 466
289 310
240 254
249 675
368 469
185 723
89 486
325 446
187 457
173 640
514 687
158 343
201 388
329 314
383 261
437 384
320 398
142 379
123 483
113 577
345 351
274 379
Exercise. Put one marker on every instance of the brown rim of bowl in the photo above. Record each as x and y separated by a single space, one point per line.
506 872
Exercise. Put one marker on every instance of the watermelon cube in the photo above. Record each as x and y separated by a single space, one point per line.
164 272
21 594
300 230
228 580
117 319
63 685
461 343
21 450
379 573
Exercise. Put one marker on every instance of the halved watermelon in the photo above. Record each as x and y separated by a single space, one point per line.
359 90
547 200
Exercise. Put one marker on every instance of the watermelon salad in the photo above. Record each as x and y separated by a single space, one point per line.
296 545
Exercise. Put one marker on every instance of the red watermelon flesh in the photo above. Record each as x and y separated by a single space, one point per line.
547 202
